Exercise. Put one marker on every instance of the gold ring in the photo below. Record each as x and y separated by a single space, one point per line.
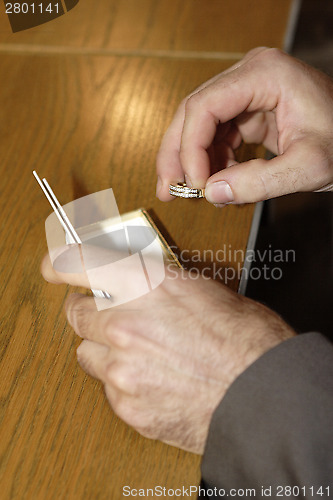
184 191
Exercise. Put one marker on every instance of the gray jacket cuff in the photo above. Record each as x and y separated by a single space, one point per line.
274 426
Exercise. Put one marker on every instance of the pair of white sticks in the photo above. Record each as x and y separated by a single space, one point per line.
72 235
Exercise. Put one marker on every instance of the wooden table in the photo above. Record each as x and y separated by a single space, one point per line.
85 100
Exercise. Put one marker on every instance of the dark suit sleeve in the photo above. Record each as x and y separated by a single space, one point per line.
274 426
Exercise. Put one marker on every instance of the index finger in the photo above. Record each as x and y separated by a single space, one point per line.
52 275
174 160
124 275
168 164
108 327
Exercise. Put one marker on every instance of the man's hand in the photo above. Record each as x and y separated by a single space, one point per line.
167 359
267 98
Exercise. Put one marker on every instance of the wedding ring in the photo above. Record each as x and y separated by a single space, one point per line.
183 191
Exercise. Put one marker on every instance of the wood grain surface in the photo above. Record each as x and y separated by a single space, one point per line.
89 122
213 26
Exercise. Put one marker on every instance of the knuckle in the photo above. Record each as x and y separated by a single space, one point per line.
82 358
272 60
183 102
124 408
256 50
119 376
192 102
132 411
81 350
136 418
140 424
148 423
272 53
118 334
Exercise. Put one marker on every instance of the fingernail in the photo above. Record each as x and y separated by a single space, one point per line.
70 317
70 313
219 192
51 281
188 181
158 185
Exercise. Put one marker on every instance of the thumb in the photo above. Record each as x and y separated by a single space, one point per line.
303 167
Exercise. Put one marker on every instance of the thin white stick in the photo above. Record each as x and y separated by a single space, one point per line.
47 194
63 214
65 222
